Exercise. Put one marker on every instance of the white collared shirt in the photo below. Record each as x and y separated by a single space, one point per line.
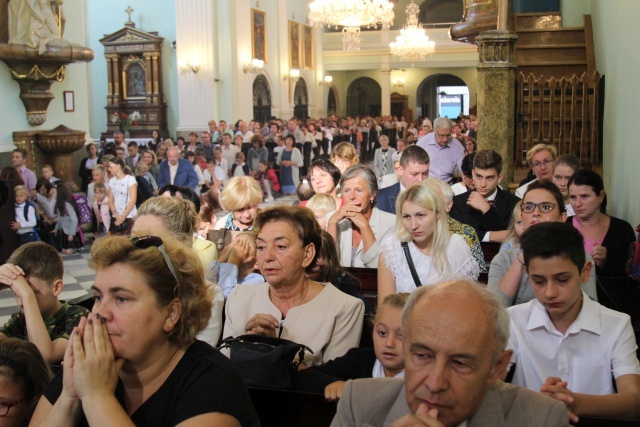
487 235
378 371
598 343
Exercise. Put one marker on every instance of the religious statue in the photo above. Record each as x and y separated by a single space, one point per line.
35 23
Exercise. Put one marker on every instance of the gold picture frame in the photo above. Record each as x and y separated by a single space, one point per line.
134 79
307 47
294 45
259 35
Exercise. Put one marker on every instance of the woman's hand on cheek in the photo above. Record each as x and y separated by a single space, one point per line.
96 369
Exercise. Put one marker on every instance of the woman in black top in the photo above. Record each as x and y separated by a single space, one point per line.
136 361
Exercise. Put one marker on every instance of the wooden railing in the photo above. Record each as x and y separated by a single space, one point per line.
562 112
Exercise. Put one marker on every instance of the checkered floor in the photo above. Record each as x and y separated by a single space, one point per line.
78 277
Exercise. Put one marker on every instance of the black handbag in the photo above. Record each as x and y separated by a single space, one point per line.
266 362
117 228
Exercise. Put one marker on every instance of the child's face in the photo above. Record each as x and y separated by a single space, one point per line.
43 291
519 227
47 173
321 217
387 339
21 197
98 176
217 154
557 284
262 167
239 160
99 195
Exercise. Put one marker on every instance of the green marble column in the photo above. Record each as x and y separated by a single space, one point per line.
496 96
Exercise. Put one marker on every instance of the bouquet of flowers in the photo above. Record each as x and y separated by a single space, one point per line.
126 120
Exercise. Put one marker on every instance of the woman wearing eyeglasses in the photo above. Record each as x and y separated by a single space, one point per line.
543 202
540 158
136 361
23 377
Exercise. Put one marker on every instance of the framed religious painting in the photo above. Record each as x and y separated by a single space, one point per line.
307 47
134 78
259 36
294 45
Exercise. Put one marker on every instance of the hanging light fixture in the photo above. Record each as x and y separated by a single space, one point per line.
413 44
351 15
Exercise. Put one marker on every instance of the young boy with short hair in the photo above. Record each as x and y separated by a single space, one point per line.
321 204
26 217
566 345
47 173
34 274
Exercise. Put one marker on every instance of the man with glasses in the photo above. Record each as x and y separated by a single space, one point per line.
444 151
540 157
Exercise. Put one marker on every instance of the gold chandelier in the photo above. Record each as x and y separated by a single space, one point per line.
413 44
351 15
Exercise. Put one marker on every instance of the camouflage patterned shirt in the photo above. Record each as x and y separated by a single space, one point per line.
60 325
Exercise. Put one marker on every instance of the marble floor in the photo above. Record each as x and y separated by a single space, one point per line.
78 277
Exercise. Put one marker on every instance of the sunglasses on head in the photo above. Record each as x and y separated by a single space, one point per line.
144 242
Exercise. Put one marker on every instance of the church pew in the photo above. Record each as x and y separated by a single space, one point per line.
277 408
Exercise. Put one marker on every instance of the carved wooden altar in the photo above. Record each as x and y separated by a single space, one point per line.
134 68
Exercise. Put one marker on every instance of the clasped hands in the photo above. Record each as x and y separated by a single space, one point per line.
90 368
557 389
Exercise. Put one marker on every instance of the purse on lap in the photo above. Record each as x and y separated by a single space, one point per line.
266 362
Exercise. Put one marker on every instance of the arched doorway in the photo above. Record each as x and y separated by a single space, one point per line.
442 95
441 11
261 99
364 98
332 103
300 100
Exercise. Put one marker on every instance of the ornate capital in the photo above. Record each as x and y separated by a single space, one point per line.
497 49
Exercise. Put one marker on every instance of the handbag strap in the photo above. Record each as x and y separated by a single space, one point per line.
412 268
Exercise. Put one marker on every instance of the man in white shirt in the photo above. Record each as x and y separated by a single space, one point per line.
245 132
564 344
228 151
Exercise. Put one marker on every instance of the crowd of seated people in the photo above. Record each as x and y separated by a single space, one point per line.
167 295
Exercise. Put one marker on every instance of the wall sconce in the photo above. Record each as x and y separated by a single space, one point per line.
398 81
327 81
188 68
254 67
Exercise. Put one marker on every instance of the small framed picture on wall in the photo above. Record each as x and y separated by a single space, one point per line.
69 101
307 47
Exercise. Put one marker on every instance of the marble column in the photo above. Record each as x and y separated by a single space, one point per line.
496 96
386 91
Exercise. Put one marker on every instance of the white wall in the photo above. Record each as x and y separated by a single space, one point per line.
614 28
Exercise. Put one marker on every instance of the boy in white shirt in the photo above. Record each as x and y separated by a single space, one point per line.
566 345
24 225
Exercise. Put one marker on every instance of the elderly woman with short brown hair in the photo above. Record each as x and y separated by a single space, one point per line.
289 304
136 361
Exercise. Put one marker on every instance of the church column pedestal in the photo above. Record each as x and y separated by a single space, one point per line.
496 96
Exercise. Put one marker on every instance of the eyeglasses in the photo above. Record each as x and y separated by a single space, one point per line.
448 135
545 162
5 406
544 207
144 242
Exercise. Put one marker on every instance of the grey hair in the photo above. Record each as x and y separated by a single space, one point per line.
442 187
442 123
492 305
365 173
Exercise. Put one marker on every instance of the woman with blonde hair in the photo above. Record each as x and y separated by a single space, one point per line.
176 217
241 195
422 227
344 155
161 151
136 360
149 157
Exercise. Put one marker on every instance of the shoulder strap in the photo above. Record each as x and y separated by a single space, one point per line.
412 268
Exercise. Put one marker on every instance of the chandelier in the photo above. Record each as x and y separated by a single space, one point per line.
412 44
351 15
